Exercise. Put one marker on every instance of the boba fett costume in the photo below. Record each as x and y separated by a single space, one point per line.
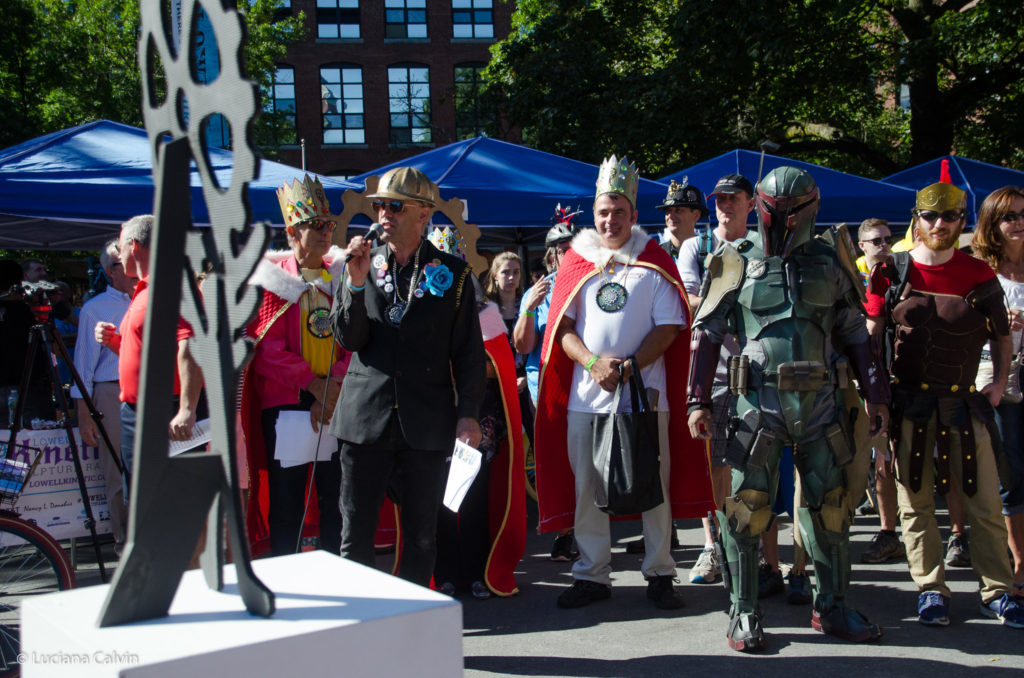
794 303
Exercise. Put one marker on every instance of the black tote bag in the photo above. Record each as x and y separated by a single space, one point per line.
626 452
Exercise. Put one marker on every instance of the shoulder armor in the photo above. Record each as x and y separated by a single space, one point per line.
838 237
988 299
726 270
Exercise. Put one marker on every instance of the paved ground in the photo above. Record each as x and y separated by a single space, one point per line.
527 635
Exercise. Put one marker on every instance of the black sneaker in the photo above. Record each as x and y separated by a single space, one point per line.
637 546
583 592
884 547
769 581
958 552
564 549
663 594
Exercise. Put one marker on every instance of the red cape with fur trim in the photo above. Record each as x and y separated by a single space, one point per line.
690 478
273 308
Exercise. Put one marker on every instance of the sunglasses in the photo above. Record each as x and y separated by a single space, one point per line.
1012 216
877 242
319 225
949 216
395 206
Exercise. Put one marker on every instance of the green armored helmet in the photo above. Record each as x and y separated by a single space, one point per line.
787 204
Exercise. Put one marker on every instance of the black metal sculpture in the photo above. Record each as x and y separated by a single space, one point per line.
172 497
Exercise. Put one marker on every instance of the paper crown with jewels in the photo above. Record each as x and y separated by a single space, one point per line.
618 176
303 200
448 240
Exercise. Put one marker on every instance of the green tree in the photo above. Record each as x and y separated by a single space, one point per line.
67 63
672 82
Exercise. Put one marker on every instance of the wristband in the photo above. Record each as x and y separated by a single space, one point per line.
354 288
590 363
528 313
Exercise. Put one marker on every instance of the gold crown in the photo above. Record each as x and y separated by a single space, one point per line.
941 197
448 240
302 201
618 176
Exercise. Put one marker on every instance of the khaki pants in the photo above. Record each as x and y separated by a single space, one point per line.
984 514
106 398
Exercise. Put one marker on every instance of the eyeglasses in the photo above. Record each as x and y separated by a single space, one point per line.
319 225
1012 216
877 242
949 216
395 206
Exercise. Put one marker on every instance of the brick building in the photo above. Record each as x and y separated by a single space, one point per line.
380 80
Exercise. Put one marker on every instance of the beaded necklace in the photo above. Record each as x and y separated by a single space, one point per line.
396 309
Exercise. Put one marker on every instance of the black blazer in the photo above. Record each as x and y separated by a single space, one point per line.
419 367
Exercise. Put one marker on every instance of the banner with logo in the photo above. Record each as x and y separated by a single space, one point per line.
52 498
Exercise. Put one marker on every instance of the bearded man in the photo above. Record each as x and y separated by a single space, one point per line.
940 307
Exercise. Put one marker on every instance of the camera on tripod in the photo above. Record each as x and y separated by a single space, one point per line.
37 296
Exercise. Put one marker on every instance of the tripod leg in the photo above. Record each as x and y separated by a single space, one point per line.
47 332
94 414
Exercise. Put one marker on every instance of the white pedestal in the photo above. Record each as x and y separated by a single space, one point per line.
334 617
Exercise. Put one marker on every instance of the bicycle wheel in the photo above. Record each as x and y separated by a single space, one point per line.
32 563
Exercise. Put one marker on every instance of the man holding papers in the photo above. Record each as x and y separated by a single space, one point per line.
292 383
407 312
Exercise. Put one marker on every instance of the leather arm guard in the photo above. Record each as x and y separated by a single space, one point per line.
867 367
704 355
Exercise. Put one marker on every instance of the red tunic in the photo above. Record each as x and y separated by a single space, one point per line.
690 478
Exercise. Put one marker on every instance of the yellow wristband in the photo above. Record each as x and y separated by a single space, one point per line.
590 363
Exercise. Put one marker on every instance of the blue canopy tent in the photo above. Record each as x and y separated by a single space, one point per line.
845 198
978 179
506 185
72 189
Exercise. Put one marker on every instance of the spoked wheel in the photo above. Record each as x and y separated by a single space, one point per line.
31 564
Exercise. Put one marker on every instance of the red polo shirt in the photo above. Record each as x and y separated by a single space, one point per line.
130 356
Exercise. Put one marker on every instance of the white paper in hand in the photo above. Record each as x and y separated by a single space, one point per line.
200 436
297 441
465 465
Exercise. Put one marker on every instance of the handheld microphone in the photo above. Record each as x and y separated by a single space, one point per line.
373 235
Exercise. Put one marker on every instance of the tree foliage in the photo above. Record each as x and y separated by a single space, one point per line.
673 82
67 63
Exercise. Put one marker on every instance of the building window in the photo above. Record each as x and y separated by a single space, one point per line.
472 19
409 104
279 104
468 116
337 19
405 18
341 93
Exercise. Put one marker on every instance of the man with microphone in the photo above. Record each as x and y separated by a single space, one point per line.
416 378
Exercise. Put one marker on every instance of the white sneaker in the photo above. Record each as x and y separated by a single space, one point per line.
706 569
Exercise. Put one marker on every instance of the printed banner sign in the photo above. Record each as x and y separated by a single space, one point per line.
52 499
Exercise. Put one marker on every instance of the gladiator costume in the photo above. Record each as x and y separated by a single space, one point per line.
938 320
794 304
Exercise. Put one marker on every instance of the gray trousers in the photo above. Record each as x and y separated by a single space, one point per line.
592 526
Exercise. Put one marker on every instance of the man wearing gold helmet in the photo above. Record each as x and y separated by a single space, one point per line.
407 313
295 372
939 308
617 297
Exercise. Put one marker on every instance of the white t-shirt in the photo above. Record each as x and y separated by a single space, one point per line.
651 301
688 262
689 273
